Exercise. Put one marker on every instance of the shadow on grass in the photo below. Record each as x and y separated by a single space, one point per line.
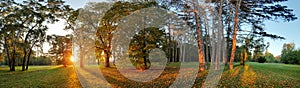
116 79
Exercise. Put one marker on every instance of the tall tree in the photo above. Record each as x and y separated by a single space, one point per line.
108 24
236 22
84 28
255 13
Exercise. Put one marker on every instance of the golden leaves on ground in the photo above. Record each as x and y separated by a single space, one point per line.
261 75
248 77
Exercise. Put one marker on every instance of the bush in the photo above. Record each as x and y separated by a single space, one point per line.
261 59
292 57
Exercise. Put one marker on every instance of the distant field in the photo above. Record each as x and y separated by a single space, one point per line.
251 75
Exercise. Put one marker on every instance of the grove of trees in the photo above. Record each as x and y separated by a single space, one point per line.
23 26
223 31
230 15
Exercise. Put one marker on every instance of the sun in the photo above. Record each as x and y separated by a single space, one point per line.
72 59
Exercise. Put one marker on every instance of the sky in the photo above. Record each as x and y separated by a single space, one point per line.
289 30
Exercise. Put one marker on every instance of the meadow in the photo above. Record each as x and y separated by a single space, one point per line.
251 75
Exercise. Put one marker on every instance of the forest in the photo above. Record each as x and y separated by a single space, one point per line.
146 43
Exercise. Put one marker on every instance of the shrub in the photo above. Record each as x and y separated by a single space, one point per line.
261 59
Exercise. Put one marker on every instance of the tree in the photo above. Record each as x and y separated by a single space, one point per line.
108 24
142 43
26 21
269 57
61 48
290 55
277 59
255 12
85 26
193 18
243 54
236 21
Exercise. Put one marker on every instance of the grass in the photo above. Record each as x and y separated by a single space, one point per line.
250 75
262 75
39 76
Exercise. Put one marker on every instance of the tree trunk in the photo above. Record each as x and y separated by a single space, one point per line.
25 52
220 28
13 64
13 59
145 61
81 57
169 44
81 61
244 58
212 42
108 49
245 52
207 54
173 51
24 59
14 54
228 33
28 59
7 53
107 59
183 55
199 42
236 21
64 59
208 45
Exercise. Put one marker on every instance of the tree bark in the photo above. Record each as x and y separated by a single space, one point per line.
107 58
220 28
81 57
7 52
107 61
14 52
24 59
245 56
236 21
145 60
207 39
199 42
245 52
25 55
28 58
108 49
13 58
212 42
228 34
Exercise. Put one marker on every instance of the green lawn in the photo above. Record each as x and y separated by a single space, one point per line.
39 76
262 75
251 75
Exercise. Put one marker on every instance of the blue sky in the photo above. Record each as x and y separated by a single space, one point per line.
289 30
